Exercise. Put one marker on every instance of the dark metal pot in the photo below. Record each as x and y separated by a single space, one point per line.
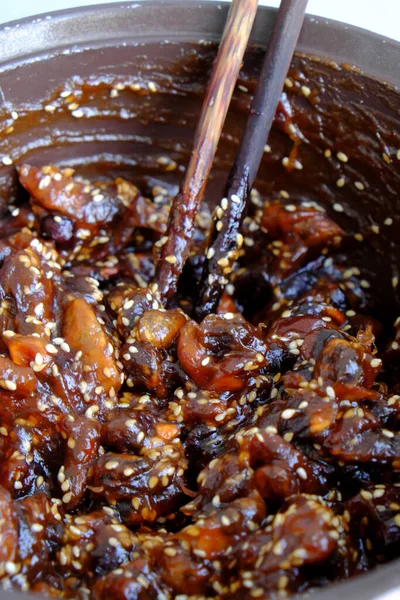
38 54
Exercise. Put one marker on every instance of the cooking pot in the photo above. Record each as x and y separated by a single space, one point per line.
112 45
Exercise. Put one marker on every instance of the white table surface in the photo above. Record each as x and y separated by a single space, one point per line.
382 16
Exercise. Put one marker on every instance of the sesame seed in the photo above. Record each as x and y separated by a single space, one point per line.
78 114
39 359
360 186
8 333
172 260
6 160
75 530
342 157
228 316
205 361
11 568
51 349
10 385
153 481
113 542
36 527
302 473
338 207
225 520
327 153
111 464
283 582
290 207
366 495
224 203
330 392
397 519
288 413
375 362
305 91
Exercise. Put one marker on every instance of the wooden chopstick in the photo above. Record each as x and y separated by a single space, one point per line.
224 242
185 205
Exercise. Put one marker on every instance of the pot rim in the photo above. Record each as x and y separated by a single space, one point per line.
48 33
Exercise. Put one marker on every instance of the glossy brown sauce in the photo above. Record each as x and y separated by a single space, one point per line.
145 455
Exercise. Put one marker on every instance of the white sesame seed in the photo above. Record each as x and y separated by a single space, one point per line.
11 568
6 160
387 433
288 413
228 316
10 385
51 349
111 464
338 207
39 359
305 90
302 473
8 333
375 362
342 157
78 114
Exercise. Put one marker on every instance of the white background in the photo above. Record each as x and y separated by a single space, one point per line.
382 16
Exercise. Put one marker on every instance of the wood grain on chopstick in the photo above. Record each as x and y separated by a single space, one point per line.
185 205
225 240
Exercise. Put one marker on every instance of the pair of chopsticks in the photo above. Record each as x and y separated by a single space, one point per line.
224 241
